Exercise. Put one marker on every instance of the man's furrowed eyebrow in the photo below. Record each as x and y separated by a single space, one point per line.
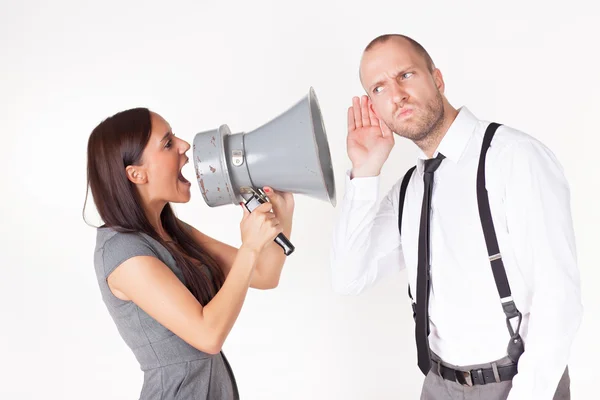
400 71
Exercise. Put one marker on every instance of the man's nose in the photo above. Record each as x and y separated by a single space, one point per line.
398 94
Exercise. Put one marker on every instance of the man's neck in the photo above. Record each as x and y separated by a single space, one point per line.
430 144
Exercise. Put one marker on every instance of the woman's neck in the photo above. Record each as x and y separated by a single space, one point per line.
153 212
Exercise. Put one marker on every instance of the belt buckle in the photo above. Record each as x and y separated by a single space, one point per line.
463 377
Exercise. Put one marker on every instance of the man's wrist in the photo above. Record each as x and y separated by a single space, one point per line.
364 172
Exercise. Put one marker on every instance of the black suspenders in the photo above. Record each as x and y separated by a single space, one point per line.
403 187
515 345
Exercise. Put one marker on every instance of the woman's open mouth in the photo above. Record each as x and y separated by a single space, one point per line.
182 179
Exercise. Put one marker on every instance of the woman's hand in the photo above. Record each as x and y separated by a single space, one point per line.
283 205
259 227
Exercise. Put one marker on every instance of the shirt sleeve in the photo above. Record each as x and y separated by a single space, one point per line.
122 247
541 230
366 241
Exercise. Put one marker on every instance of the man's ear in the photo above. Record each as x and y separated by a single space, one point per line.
136 174
439 80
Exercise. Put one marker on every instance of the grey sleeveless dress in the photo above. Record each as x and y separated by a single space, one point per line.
173 369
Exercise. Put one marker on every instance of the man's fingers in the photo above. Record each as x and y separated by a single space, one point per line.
351 124
372 116
365 111
356 108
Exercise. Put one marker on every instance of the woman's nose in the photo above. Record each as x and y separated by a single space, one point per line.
185 146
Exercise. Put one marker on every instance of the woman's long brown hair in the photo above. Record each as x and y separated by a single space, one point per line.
114 144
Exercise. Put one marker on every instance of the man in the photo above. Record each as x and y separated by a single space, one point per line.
492 294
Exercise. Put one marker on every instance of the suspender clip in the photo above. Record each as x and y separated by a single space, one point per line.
515 346
511 311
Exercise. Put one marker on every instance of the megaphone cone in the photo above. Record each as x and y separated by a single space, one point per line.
289 153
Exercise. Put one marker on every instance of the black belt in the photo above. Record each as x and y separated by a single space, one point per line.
473 377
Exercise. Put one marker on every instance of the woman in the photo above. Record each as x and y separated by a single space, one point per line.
173 292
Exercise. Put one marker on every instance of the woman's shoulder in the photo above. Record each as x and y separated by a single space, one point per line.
113 247
110 237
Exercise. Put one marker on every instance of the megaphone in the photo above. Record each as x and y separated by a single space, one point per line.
289 153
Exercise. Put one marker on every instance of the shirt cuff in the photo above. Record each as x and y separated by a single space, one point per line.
362 188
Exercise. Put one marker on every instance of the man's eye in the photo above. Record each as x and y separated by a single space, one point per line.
407 75
377 89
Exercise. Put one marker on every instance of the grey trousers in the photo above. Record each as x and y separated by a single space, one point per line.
437 388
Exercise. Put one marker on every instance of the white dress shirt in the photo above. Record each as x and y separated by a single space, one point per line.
530 204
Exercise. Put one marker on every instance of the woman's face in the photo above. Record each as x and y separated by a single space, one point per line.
162 161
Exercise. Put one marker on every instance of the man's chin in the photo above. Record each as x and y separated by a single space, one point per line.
411 135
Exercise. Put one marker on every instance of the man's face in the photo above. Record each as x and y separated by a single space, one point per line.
404 93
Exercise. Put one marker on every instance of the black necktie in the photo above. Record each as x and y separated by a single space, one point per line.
423 278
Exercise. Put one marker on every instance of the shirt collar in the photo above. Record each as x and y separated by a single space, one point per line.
455 140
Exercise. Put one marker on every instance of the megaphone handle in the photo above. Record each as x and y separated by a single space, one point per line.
286 245
281 240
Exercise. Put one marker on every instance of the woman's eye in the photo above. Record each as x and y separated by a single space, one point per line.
168 144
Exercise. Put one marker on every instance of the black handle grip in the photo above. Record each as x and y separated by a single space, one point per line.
286 245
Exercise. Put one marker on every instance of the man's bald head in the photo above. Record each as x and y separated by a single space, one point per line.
420 50
404 86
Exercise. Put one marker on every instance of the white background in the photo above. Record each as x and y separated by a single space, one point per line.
66 65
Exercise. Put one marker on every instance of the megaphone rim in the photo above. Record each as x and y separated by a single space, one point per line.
223 132
312 98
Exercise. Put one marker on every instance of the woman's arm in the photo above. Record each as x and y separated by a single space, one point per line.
270 260
150 284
